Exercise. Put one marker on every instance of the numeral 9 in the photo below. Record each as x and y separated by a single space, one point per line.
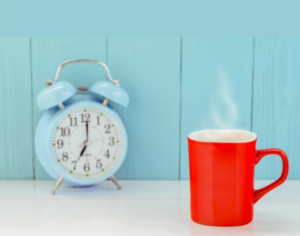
60 143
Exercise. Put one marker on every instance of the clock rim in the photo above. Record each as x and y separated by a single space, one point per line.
47 130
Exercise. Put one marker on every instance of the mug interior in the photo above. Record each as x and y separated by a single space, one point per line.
223 136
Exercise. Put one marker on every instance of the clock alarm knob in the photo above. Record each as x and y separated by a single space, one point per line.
55 94
111 91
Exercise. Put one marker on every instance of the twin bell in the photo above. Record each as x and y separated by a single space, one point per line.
56 93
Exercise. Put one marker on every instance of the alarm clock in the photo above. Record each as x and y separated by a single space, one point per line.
80 139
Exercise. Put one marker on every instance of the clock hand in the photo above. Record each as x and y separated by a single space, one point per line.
95 140
87 131
82 151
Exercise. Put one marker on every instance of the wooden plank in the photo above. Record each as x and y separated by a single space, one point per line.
149 70
276 103
16 150
216 87
49 53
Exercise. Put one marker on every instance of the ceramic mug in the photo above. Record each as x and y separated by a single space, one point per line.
222 164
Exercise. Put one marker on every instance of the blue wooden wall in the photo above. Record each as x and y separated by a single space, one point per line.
176 86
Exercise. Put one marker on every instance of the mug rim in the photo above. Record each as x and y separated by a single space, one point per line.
247 140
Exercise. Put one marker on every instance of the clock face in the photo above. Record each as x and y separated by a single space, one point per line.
87 143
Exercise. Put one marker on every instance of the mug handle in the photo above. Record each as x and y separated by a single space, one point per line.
285 170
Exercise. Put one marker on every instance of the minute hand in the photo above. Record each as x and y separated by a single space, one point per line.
87 131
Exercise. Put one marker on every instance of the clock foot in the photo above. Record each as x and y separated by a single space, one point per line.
57 184
113 179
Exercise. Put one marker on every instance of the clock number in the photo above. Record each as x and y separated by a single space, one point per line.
98 120
107 127
87 116
60 143
75 121
107 153
65 131
65 156
112 141
74 162
86 167
98 164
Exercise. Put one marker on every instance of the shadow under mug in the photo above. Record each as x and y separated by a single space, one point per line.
222 164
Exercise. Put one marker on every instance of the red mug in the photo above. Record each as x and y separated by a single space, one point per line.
222 166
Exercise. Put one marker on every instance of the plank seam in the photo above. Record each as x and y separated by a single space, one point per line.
180 89
32 112
106 51
252 92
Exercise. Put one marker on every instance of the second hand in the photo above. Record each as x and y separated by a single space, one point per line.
95 140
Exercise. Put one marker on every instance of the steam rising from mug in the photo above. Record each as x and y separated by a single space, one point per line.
223 112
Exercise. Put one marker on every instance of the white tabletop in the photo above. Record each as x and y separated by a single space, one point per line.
141 208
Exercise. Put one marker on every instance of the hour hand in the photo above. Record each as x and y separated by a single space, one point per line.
82 151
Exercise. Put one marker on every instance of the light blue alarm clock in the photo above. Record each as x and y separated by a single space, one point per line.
80 140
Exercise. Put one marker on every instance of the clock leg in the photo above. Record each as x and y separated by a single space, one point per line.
57 184
113 179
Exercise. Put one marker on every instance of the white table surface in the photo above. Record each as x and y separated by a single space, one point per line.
141 208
